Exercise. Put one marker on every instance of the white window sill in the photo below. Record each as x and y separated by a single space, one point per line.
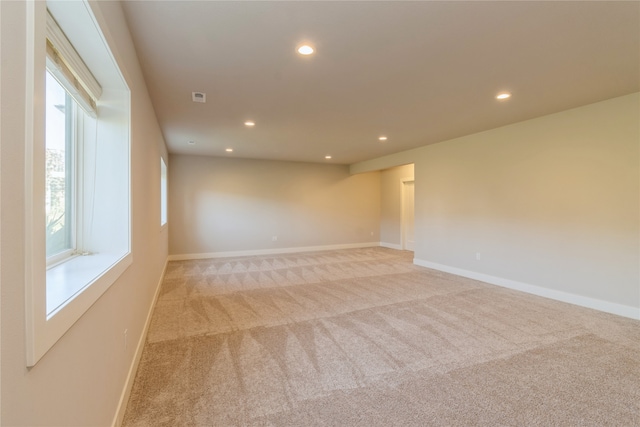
69 278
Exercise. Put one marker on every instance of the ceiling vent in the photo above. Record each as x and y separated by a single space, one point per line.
199 97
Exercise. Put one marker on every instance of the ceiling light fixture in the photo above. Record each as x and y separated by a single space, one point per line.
305 49
503 95
229 150
327 157
382 138
249 123
192 142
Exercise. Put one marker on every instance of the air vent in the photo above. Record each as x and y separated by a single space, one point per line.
199 97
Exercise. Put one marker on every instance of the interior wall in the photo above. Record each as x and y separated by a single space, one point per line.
219 205
551 203
79 382
391 204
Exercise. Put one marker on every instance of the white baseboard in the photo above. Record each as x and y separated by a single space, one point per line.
596 304
131 376
391 245
275 251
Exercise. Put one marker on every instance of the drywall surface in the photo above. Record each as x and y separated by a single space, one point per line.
391 204
550 203
227 205
79 382
385 162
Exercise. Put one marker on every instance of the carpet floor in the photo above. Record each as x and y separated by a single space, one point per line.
363 337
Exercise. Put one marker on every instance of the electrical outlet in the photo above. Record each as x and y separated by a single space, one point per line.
477 256
274 238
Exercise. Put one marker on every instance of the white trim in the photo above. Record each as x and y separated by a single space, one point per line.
133 369
43 329
596 304
391 245
34 248
182 257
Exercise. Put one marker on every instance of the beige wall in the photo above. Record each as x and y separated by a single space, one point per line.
391 204
228 205
80 380
551 202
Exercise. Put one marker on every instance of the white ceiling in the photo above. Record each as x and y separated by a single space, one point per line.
418 72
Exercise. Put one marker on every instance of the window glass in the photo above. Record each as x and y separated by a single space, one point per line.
163 192
59 168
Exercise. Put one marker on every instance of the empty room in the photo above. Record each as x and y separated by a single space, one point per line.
319 213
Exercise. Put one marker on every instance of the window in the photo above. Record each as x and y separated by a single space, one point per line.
71 96
78 179
59 175
163 192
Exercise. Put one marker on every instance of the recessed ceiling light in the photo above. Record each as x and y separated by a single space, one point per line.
327 157
382 138
249 123
229 150
192 142
503 95
305 49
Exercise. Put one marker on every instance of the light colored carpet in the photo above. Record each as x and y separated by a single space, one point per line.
364 338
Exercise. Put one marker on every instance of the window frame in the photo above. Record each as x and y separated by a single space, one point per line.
71 162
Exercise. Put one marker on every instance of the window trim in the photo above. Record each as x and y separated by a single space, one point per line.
44 329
